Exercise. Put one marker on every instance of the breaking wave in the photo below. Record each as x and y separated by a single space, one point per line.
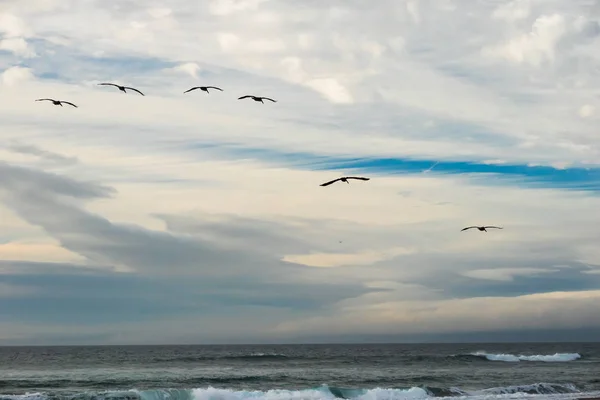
558 357
325 392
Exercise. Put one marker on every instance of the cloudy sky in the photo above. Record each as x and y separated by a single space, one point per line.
198 218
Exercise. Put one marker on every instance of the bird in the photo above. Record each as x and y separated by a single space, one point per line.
121 88
481 228
58 102
344 179
257 98
203 88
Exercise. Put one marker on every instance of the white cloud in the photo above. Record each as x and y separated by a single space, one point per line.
325 260
586 111
331 89
226 7
18 46
413 9
12 26
189 68
513 10
15 75
535 47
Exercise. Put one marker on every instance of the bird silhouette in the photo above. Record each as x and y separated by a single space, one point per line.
257 98
481 228
121 88
58 102
345 179
203 88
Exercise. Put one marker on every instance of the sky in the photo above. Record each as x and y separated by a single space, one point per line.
198 218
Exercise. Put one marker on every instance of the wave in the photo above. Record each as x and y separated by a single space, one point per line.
240 357
558 357
325 392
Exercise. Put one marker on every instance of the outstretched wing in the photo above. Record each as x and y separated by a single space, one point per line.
214 87
134 89
496 227
194 88
266 98
44 99
69 103
244 97
108 84
468 227
330 182
361 178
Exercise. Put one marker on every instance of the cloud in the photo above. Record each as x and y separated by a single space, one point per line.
536 47
216 270
340 259
189 68
193 211
503 274
12 26
46 155
513 10
586 111
331 89
556 310
18 46
15 75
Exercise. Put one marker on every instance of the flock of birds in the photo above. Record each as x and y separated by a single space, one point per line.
255 98
125 88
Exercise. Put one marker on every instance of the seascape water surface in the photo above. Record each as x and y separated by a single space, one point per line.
369 372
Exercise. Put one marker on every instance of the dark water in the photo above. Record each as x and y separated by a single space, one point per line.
391 371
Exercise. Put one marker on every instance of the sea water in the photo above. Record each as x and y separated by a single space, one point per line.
280 372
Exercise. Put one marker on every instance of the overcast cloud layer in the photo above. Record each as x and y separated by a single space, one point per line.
198 218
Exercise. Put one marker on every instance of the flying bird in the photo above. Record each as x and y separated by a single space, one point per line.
481 228
345 179
121 88
257 98
203 88
58 102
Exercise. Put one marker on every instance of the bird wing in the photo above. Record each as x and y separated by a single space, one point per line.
45 99
194 88
108 84
69 103
214 87
244 97
468 227
266 98
134 89
358 177
330 182
496 227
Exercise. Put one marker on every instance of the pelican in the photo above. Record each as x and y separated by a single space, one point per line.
344 179
257 98
203 88
58 102
481 228
121 88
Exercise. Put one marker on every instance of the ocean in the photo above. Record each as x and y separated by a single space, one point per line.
312 372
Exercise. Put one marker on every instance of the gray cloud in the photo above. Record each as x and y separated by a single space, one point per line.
171 274
42 154
19 182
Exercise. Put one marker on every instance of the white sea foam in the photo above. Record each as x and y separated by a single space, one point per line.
414 393
558 357
539 391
